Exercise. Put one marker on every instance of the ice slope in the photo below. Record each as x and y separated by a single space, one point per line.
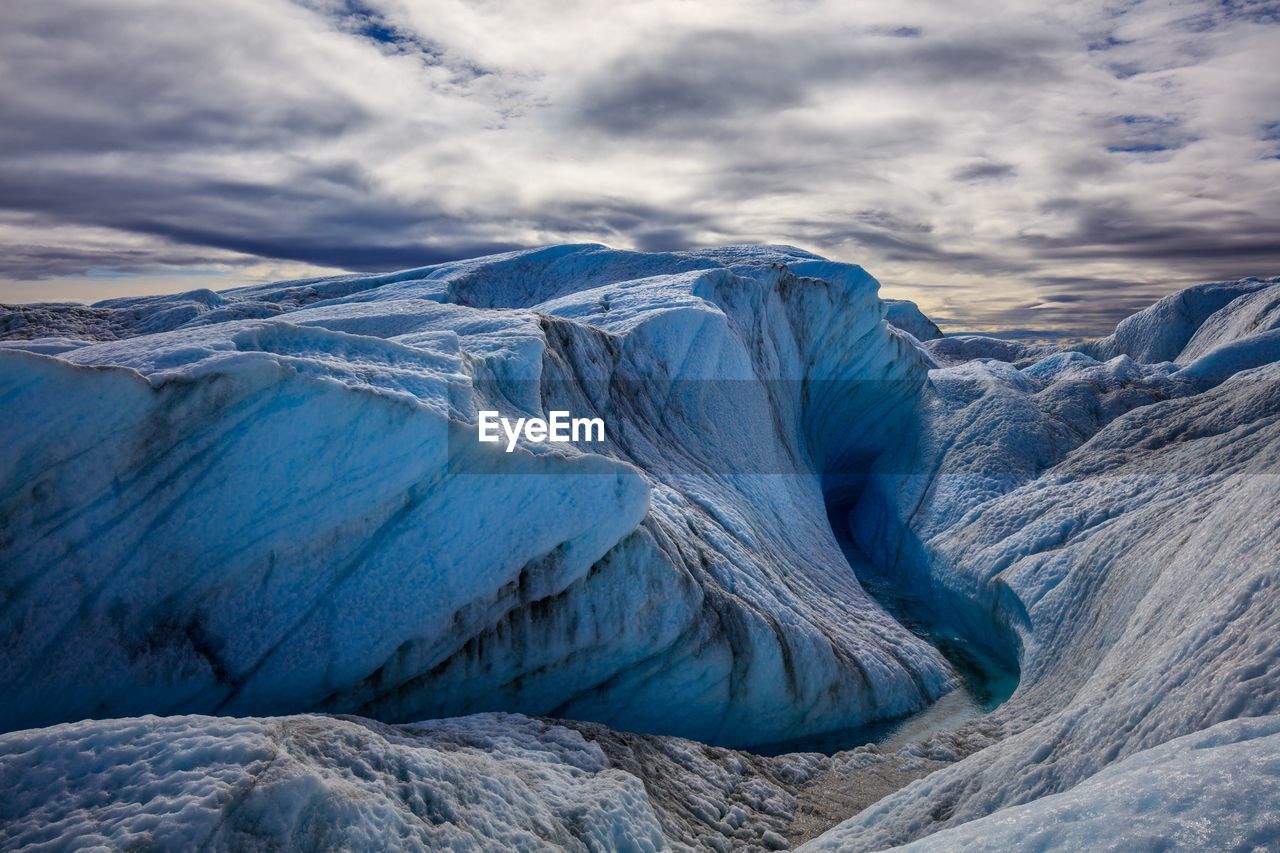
957 349
1180 327
907 316
272 500
1217 789
1116 524
1254 312
1166 330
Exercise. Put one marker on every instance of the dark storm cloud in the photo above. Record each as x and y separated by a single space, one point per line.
75 84
1086 306
620 217
700 77
32 261
325 218
123 126
985 171
1120 230
894 245
1144 134
781 158
895 239
123 119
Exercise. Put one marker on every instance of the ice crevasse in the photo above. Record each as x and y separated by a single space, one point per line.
272 500
1116 507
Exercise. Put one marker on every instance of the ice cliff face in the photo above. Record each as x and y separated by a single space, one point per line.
272 500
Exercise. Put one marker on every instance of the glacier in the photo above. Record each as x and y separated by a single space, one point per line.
272 500
813 510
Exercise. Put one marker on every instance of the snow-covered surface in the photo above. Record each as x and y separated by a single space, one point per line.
957 349
271 501
481 782
182 783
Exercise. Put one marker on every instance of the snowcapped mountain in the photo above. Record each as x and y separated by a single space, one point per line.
811 513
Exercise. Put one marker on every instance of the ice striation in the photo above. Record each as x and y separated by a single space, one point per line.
906 315
270 501
242 515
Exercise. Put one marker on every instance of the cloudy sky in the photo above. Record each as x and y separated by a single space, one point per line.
1004 165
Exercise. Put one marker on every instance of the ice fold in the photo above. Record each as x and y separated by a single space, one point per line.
272 499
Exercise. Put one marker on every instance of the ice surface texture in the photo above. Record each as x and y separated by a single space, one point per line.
1121 520
482 782
208 511
487 782
1217 789
272 502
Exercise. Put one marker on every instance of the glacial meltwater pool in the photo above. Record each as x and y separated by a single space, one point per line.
985 684
987 679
